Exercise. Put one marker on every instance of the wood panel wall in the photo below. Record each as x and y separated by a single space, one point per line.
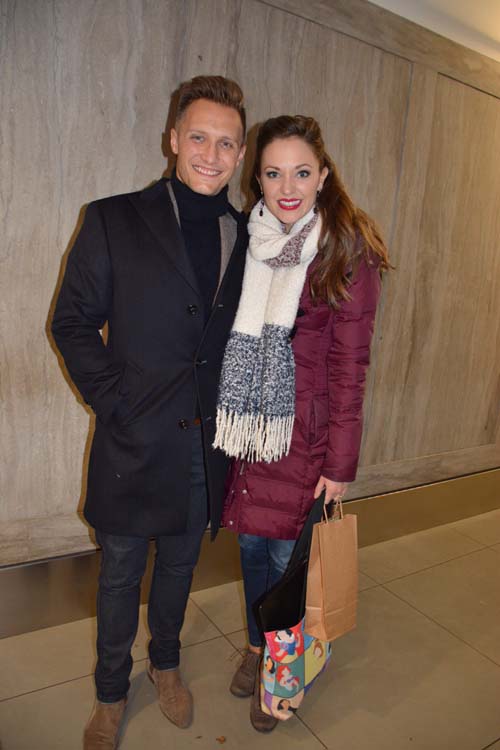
413 122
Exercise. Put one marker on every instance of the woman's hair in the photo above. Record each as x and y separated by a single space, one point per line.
347 232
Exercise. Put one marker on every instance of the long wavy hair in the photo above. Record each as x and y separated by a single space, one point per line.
348 234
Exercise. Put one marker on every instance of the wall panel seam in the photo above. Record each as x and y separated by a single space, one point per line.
435 52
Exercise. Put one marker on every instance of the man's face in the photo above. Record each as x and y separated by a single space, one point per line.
208 142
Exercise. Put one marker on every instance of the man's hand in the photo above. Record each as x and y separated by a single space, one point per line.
333 490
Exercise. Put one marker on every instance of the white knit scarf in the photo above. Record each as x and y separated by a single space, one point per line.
256 403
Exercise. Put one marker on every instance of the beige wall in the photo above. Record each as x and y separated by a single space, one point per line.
84 97
477 25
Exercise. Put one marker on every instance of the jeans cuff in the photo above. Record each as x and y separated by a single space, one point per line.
165 667
108 699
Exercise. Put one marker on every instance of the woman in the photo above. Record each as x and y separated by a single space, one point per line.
293 377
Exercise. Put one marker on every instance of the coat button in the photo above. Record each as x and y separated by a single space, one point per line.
200 362
183 424
192 309
244 492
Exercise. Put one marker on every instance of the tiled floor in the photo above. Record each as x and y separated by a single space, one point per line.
421 671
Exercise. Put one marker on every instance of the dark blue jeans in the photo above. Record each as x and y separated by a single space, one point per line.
122 568
263 562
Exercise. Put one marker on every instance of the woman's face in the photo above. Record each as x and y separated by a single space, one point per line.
290 177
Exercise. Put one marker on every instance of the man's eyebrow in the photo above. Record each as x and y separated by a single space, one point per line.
206 132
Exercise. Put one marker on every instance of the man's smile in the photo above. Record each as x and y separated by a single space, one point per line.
206 171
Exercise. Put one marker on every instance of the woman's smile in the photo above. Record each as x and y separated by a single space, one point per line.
289 204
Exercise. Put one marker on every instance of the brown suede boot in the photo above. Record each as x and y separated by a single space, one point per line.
101 733
261 721
243 682
175 700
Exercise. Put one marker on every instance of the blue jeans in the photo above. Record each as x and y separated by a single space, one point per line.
263 562
122 568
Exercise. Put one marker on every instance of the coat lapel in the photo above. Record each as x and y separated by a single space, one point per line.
158 209
228 233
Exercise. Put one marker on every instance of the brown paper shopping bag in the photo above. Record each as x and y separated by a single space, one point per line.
332 578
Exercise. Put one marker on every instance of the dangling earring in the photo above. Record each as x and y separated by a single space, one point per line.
261 209
316 204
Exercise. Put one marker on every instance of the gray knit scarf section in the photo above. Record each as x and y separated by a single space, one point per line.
256 403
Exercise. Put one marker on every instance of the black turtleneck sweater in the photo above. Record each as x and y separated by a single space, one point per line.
199 218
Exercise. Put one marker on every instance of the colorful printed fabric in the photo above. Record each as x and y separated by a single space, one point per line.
292 661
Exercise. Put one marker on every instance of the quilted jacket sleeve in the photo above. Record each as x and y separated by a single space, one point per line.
347 363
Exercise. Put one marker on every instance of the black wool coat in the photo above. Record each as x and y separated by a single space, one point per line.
129 268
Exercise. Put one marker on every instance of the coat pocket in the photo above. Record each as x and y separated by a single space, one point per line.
129 387
319 421
131 376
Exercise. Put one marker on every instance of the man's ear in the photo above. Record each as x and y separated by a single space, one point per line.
241 154
174 141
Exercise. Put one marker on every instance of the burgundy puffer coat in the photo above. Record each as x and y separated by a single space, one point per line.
332 352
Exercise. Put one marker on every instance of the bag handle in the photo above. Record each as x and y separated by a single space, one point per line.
337 514
303 543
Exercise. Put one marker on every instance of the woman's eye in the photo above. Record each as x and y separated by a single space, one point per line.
272 174
304 173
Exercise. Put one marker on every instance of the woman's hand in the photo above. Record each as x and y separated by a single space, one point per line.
333 490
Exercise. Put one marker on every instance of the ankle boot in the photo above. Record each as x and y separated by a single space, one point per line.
101 733
175 700
260 721
243 682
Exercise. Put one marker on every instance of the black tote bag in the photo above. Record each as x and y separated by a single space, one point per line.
285 603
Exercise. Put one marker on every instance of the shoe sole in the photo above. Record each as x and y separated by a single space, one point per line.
264 731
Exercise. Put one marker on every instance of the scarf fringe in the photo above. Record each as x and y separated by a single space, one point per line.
253 437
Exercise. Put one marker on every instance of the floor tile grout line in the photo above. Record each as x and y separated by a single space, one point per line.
473 539
429 567
463 533
236 649
370 588
443 627
46 687
208 617
311 731
233 632
395 540
91 674
81 677
199 643
491 744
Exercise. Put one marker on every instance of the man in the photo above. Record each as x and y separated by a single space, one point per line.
163 267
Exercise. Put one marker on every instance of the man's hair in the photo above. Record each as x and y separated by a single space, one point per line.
214 88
